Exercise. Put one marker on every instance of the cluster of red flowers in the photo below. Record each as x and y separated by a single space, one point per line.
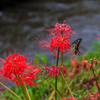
87 64
68 98
17 65
55 70
76 67
17 68
59 28
93 96
58 38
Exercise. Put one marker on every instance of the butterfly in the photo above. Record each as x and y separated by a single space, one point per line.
75 46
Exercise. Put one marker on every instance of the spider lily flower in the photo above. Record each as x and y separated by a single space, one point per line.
88 63
16 65
60 42
55 70
61 28
68 98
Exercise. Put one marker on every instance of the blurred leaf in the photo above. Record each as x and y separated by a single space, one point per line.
43 58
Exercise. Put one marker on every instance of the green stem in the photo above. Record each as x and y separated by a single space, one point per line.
56 75
52 86
57 58
62 72
21 85
67 85
95 79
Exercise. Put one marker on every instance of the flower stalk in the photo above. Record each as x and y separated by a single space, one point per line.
67 85
27 91
21 85
56 75
95 78
52 86
10 91
62 72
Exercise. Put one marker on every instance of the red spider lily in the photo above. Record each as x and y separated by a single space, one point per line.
88 63
94 61
60 42
75 62
17 65
55 70
68 98
61 28
93 96
97 94
76 67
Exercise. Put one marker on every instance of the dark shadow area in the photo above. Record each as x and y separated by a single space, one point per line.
10 3
13 3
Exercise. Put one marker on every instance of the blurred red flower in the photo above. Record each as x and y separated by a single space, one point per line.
92 96
88 63
61 28
17 65
76 67
60 42
55 70
68 98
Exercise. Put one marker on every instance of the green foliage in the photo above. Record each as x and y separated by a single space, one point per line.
95 52
40 58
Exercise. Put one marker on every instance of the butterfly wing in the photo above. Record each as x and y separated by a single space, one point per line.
78 43
75 46
78 53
